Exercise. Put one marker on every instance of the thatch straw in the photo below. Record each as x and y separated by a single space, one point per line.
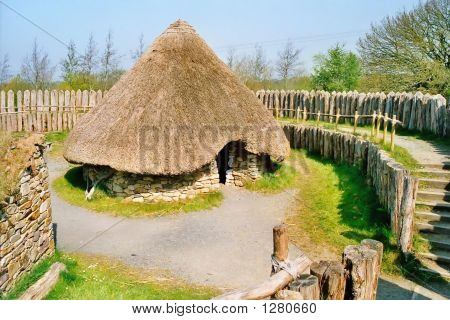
173 112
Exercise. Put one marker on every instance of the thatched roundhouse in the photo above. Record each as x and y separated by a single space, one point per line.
177 124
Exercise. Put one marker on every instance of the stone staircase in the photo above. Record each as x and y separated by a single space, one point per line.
433 216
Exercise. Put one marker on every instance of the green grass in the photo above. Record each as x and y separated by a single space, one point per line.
93 277
57 140
284 177
335 207
71 187
402 156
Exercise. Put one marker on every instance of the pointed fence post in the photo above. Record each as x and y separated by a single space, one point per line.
394 121
318 118
297 113
385 125
355 124
304 114
374 118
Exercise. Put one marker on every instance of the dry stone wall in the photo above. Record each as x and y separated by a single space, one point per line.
395 187
422 112
243 166
26 234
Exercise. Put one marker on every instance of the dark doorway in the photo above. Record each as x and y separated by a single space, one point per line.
222 164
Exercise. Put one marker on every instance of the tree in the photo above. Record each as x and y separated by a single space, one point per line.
36 68
338 70
136 54
89 59
109 61
288 62
70 65
259 65
410 51
231 57
4 69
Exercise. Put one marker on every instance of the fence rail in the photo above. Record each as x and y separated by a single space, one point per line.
415 111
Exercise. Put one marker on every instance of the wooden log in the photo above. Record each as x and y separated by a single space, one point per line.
331 277
307 285
43 286
288 295
361 264
408 202
378 247
268 288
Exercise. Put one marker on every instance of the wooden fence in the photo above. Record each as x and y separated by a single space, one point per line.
355 277
415 111
44 111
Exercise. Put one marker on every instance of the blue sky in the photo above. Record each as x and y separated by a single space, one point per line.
314 26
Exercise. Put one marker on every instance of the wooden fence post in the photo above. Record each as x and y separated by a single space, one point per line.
378 247
331 275
378 126
297 113
394 121
280 242
385 125
361 264
337 119
304 114
307 285
318 118
355 123
374 117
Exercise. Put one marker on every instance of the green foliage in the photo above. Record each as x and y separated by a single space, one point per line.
91 277
71 187
409 51
338 70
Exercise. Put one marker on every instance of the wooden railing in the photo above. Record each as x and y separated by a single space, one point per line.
302 116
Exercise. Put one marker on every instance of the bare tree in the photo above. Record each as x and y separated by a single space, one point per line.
36 67
260 66
231 57
136 54
70 65
4 69
109 60
89 59
288 62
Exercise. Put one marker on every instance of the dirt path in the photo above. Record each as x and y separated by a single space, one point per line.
228 247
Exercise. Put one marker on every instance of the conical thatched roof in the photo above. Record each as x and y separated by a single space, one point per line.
173 112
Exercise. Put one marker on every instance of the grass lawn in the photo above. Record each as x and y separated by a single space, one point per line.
71 187
92 277
335 207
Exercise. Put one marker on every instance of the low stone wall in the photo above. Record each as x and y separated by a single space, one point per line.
243 166
26 234
150 188
395 187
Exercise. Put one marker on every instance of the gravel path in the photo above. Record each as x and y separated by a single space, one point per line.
228 247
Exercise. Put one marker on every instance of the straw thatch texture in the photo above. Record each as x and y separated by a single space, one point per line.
173 112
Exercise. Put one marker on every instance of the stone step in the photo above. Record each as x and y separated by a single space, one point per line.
433 195
434 205
440 165
427 183
431 216
434 227
435 268
437 255
438 241
437 174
